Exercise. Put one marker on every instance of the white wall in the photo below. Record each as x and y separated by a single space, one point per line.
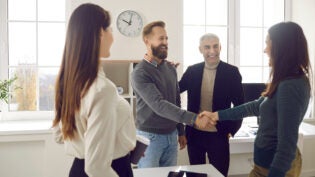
133 48
32 155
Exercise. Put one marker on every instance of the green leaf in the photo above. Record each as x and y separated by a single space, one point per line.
5 88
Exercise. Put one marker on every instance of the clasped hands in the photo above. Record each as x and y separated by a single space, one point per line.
206 119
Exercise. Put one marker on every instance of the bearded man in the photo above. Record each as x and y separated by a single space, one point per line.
159 116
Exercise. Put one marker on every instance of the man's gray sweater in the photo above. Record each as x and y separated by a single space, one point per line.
158 98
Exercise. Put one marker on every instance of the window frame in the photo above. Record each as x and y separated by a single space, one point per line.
4 64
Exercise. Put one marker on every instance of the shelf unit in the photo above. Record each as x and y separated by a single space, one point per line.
119 72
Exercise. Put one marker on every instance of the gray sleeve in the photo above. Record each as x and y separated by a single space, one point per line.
144 86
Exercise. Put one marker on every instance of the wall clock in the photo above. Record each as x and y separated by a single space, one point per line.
129 23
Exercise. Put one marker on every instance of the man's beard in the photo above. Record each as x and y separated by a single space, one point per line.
158 52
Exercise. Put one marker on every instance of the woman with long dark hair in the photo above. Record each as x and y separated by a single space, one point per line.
282 105
93 121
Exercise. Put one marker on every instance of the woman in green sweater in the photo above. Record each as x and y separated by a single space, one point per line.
282 105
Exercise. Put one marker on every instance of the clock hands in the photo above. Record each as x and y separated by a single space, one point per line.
129 23
126 22
130 19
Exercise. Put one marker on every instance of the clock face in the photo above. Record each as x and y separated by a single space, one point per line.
129 23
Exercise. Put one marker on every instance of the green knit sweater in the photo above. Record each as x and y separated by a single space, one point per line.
280 118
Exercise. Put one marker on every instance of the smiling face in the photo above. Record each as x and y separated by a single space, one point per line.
210 48
157 43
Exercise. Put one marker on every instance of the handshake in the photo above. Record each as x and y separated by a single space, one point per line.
206 119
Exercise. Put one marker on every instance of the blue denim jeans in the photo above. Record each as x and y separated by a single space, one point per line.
161 152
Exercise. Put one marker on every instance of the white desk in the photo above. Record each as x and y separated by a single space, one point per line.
163 171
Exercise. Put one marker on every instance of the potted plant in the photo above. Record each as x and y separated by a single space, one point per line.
5 91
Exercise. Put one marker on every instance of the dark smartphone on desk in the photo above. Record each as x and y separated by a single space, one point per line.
186 174
175 174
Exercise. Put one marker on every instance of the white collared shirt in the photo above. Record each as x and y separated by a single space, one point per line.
105 128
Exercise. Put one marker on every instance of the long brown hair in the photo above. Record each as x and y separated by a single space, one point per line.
80 63
289 55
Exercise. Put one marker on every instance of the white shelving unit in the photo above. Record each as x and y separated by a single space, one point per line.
119 72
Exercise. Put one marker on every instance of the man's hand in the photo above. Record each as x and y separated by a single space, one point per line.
205 120
212 117
173 63
182 140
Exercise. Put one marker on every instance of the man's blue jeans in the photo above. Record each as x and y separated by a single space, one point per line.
161 152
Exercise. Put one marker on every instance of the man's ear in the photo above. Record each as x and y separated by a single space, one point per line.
200 49
145 39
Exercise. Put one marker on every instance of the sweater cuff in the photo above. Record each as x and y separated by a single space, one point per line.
274 172
193 120
180 129
222 114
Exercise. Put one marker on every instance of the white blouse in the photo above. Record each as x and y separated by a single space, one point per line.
105 128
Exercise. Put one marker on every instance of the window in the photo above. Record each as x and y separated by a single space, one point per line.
255 19
208 16
241 26
33 33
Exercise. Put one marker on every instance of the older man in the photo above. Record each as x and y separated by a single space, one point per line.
211 85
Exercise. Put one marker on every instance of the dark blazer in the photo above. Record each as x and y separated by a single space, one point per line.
227 89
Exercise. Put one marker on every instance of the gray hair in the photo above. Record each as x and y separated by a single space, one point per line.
209 36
